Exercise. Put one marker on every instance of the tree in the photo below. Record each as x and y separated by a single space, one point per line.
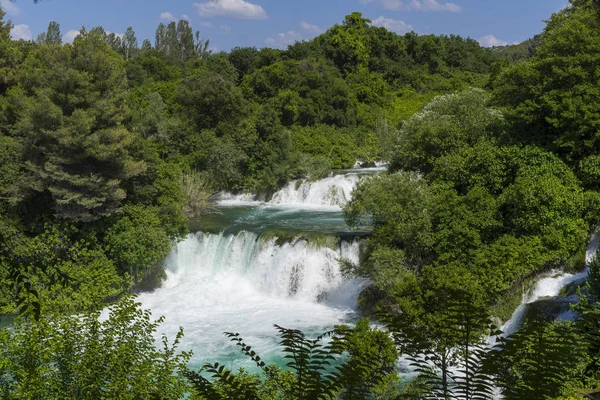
136 241
551 100
129 44
400 207
64 274
159 41
7 52
348 44
146 46
69 119
211 99
185 38
445 125
52 35
242 59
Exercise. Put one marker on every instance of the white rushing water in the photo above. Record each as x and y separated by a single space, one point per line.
242 283
550 287
332 193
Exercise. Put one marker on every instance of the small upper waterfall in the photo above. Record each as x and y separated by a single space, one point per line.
332 191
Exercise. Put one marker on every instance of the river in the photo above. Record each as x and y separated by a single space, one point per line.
256 264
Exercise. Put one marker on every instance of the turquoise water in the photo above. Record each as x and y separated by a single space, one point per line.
288 221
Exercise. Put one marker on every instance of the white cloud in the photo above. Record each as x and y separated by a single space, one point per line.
167 16
394 25
70 36
225 28
282 40
240 9
186 18
206 24
416 5
491 41
310 27
10 8
21 31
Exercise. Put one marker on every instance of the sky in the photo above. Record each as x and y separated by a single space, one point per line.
278 23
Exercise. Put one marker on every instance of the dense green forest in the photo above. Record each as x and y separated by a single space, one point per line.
109 146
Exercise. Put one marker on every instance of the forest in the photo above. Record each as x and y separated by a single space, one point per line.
109 147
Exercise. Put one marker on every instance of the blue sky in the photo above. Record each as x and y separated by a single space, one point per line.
277 23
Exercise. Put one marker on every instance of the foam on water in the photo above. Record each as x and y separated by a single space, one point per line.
241 283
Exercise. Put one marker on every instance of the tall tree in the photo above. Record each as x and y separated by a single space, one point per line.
69 115
52 35
185 38
159 41
171 42
146 46
129 44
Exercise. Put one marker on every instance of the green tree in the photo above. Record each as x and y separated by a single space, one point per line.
210 99
52 35
129 44
400 207
445 125
242 59
185 38
551 99
69 119
348 44
63 274
136 241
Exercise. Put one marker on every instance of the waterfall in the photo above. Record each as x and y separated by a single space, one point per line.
244 283
332 193
550 287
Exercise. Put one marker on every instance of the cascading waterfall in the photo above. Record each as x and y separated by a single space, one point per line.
244 283
332 192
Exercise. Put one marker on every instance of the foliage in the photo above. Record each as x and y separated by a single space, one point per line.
86 356
539 361
445 125
315 369
68 112
450 359
198 195
551 99
474 215
106 148
136 240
